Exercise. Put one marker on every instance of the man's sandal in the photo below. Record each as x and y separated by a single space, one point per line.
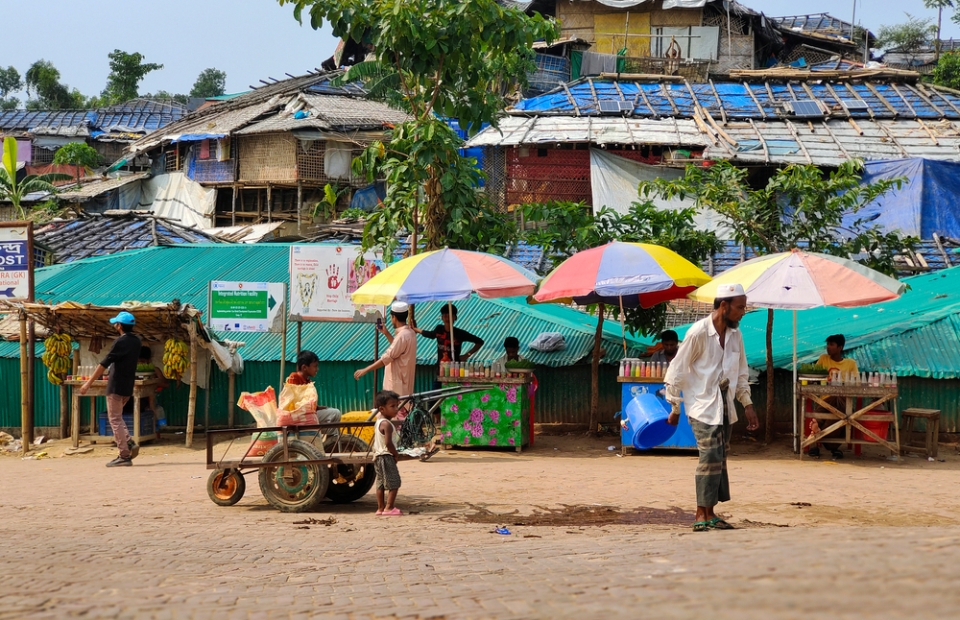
701 526
719 524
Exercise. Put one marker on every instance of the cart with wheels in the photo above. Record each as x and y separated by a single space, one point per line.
310 463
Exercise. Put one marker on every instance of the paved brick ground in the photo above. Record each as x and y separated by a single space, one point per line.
77 539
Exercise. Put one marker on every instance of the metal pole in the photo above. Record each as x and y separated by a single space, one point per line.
376 356
453 345
206 396
299 337
796 443
623 329
283 350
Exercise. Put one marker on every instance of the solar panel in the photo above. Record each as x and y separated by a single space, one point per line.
807 108
855 105
610 106
625 106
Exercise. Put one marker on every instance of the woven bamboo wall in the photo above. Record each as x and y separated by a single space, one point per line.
268 158
311 163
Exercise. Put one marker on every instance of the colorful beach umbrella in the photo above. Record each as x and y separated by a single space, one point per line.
798 280
628 274
446 275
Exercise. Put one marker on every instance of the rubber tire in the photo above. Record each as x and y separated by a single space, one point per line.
343 493
301 502
235 485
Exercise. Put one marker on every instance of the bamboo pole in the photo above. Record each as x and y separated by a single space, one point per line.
595 372
24 386
192 402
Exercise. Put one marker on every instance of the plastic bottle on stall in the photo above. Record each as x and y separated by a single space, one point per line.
620 371
636 369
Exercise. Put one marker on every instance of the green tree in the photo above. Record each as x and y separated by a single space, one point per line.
210 83
10 82
800 206
947 71
13 190
126 73
432 58
939 5
43 80
77 154
911 37
564 228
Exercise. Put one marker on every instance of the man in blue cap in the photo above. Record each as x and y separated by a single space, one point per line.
122 363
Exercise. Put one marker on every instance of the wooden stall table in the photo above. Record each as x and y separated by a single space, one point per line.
506 419
141 388
832 419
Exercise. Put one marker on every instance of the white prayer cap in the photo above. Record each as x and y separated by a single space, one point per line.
399 307
725 291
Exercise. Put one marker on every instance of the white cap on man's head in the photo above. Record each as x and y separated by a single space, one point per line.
399 307
725 291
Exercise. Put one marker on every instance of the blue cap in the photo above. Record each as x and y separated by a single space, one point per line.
124 318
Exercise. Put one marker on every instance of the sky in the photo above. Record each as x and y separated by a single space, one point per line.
248 39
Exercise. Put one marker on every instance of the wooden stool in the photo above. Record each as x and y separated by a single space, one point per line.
932 417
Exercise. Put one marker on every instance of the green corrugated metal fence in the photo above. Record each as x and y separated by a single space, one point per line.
563 396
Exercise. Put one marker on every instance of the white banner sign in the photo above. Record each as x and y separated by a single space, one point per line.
322 278
246 306
15 261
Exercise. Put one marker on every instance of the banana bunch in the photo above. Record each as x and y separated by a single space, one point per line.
57 357
175 358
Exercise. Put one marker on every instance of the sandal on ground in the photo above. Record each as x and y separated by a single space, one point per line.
814 452
426 455
701 526
719 524
837 455
396 512
378 513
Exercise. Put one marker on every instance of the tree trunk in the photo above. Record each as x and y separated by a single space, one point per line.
595 373
939 40
768 421
434 215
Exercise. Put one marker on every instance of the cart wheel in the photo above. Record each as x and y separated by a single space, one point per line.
226 486
356 479
290 487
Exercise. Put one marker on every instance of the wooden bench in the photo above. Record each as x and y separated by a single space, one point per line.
927 443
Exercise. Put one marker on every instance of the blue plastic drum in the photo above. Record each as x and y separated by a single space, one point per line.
646 417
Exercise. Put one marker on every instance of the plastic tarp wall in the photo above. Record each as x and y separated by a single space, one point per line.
926 204
614 182
176 197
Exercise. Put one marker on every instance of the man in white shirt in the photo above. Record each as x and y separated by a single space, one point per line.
709 369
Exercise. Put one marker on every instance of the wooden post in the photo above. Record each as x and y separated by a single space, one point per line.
595 372
299 202
192 402
206 396
24 386
64 411
269 203
299 337
231 396
31 375
233 206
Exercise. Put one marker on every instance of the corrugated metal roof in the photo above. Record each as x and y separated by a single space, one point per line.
931 298
183 272
100 186
330 112
748 100
517 130
835 141
931 351
26 120
136 116
102 235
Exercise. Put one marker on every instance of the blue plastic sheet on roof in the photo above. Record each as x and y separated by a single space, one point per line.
926 204
197 137
744 100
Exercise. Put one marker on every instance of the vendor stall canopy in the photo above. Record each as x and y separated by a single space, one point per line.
183 272
915 335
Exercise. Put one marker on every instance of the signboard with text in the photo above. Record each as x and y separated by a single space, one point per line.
16 268
246 306
322 278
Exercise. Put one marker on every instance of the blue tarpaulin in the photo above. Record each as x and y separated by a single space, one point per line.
926 204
